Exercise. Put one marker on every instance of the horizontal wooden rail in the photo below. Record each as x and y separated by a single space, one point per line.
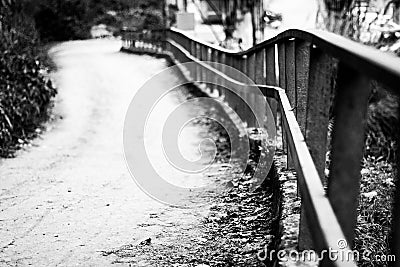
307 76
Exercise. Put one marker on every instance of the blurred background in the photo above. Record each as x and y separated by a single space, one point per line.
219 21
28 28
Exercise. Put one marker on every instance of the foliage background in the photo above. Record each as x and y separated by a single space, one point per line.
59 20
25 92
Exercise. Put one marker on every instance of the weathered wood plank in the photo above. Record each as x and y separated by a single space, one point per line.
243 65
282 65
250 97
214 59
237 64
317 83
207 77
323 72
271 77
243 108
259 78
290 73
270 66
326 230
223 60
204 57
251 66
302 82
290 78
302 64
229 60
283 84
198 56
351 102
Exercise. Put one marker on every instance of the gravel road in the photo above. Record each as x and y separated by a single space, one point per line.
70 196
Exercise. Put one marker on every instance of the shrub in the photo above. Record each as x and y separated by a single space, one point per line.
25 93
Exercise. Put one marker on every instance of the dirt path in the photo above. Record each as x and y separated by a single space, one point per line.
69 200
70 196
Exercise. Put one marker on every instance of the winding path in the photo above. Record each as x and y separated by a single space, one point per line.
70 195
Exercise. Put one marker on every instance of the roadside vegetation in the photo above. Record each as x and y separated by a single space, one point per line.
60 20
374 224
25 92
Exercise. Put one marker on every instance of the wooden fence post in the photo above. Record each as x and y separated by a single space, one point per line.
290 73
350 108
323 72
282 84
259 78
302 70
222 90
250 97
198 69
193 68
236 102
242 109
301 67
216 79
230 97
207 79
282 65
290 77
270 73
204 57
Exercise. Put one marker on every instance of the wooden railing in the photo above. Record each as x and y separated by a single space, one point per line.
306 76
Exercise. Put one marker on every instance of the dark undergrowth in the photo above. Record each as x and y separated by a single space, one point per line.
374 222
25 91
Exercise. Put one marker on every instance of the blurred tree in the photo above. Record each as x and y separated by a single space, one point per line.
333 15
59 20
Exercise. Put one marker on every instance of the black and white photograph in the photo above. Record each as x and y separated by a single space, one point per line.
200 133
